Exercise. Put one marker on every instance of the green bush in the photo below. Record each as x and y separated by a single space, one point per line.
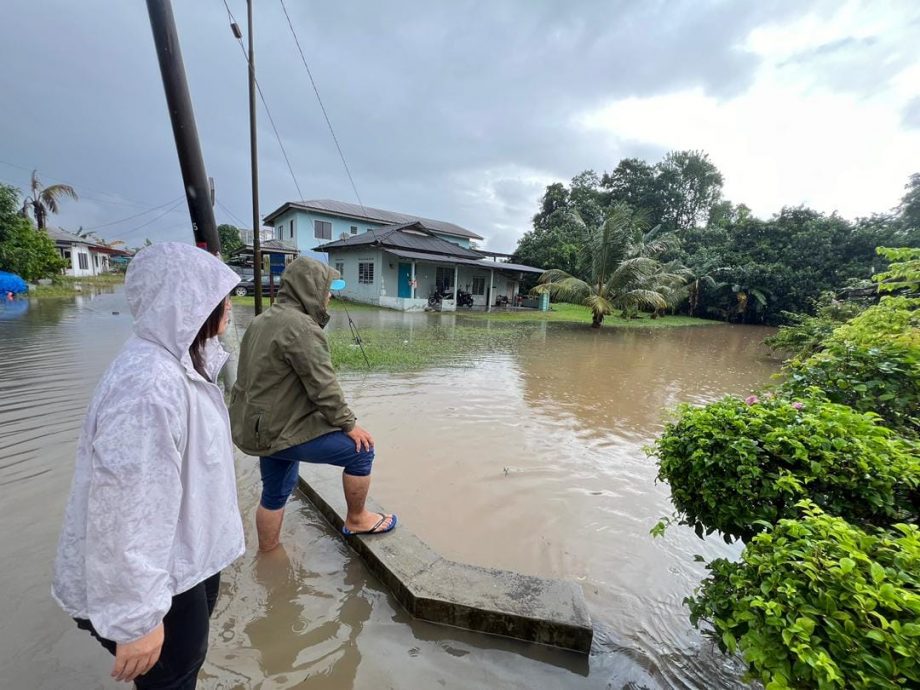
818 603
884 379
871 363
739 466
804 335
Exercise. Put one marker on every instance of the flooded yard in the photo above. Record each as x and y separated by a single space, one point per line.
528 457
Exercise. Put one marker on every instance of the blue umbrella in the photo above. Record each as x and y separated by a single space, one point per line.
10 282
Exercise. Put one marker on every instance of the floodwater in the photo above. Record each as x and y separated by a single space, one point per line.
529 458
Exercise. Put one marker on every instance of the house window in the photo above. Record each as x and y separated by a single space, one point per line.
96 260
444 278
366 272
354 229
279 232
479 286
84 261
291 231
369 229
322 229
340 267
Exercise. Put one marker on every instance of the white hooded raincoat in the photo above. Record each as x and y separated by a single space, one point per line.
153 506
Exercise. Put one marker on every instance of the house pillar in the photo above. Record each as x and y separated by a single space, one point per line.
491 279
413 280
456 281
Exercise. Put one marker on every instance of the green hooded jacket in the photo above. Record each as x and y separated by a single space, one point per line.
286 392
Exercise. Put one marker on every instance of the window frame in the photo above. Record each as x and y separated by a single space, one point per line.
366 272
317 223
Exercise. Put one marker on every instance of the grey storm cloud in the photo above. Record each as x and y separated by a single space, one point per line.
421 95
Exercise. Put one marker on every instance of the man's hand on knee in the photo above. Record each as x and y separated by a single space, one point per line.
362 439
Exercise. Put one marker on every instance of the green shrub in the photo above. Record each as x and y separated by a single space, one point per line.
804 335
884 379
871 363
738 466
818 603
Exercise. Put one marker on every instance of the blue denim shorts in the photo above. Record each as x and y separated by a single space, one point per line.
279 471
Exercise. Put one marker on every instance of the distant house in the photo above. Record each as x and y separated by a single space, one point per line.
401 266
396 260
276 254
84 257
306 223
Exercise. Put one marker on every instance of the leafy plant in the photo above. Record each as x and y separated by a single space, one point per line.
904 271
871 363
819 603
624 271
23 250
882 379
803 335
738 467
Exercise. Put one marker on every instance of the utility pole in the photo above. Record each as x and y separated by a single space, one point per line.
179 103
254 163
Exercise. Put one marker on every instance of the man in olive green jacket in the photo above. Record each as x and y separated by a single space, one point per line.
287 406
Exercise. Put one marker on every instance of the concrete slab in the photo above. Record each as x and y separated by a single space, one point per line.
488 600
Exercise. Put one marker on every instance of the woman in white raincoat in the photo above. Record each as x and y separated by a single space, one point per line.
152 516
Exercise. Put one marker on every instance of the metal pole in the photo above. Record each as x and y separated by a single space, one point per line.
179 103
254 163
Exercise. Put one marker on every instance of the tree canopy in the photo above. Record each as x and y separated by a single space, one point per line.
739 267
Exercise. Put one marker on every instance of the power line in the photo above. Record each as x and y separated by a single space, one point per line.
152 220
231 213
322 107
136 215
268 112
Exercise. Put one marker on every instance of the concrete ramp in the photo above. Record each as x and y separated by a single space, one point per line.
432 588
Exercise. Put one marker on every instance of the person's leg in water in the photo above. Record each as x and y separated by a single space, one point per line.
279 476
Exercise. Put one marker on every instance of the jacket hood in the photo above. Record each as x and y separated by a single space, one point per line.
305 284
172 288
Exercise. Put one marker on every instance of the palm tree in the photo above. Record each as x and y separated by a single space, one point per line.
45 200
625 272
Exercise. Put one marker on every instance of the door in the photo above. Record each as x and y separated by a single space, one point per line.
405 278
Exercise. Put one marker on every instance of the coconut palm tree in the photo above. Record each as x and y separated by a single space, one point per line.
45 200
625 273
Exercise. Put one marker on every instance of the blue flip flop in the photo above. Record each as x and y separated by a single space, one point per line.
373 530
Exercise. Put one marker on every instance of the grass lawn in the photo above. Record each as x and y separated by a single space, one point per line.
334 305
67 286
575 313
396 349
456 342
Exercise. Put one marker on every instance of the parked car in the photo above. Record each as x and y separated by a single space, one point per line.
247 286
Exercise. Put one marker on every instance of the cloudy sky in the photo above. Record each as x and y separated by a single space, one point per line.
463 111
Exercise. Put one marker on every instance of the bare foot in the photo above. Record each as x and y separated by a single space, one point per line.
370 523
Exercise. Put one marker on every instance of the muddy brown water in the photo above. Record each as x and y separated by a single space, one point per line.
529 458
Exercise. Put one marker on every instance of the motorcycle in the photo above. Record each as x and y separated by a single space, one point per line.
464 298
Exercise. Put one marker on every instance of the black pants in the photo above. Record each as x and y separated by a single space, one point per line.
185 639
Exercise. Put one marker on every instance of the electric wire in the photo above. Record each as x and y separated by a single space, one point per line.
268 111
322 107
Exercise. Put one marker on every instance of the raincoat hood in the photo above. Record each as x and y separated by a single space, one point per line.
305 284
172 288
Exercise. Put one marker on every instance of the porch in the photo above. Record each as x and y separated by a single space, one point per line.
447 283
